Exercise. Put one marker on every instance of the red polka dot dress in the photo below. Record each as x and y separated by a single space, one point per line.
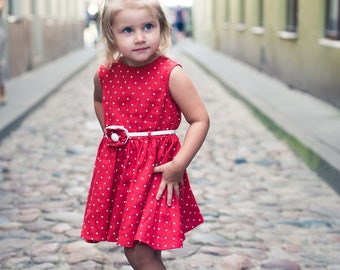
122 205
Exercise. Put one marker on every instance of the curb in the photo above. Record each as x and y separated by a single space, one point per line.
29 90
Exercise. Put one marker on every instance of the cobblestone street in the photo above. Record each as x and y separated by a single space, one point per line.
264 209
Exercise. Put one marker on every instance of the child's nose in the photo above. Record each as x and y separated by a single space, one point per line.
139 36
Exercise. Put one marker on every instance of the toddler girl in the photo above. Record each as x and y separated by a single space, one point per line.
140 196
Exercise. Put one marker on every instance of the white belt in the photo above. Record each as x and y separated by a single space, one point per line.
119 135
152 133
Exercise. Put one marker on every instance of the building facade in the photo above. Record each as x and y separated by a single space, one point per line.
39 31
296 41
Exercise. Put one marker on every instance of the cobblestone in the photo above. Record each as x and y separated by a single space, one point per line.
264 209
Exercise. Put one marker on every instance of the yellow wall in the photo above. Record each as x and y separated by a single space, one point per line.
302 62
203 22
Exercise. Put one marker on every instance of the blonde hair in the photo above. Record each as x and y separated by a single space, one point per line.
109 10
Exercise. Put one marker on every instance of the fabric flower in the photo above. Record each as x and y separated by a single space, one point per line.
117 136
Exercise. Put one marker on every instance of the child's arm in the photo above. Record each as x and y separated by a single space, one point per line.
97 96
185 95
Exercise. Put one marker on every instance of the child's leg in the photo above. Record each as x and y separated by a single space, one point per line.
143 257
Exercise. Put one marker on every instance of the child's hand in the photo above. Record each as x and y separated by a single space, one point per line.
172 177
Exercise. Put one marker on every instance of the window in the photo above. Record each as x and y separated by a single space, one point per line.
33 7
242 10
10 7
14 12
291 15
260 13
259 18
227 11
332 30
241 25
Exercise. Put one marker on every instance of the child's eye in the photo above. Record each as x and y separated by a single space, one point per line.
127 30
148 26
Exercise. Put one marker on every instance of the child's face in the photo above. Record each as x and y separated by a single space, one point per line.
137 34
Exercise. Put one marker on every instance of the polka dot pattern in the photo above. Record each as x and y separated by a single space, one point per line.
122 205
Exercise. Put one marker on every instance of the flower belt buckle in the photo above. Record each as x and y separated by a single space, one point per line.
117 136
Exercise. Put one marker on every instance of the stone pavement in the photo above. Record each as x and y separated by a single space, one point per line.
264 209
